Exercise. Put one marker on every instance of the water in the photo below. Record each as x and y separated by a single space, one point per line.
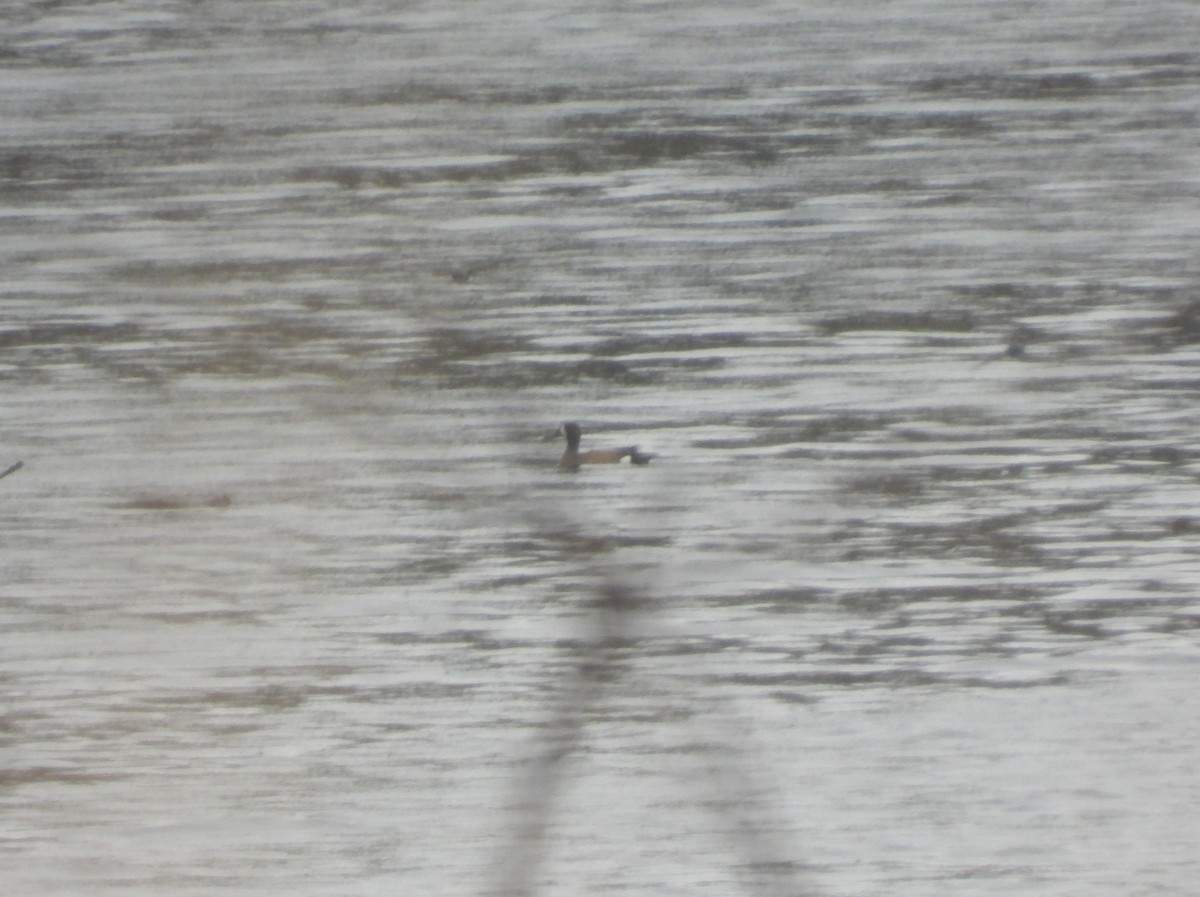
291 587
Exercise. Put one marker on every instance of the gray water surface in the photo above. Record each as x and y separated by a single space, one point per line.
903 296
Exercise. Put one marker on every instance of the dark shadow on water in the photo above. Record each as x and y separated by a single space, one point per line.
602 663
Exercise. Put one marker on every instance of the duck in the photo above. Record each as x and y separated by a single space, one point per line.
572 458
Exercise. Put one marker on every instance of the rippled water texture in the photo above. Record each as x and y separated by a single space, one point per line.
903 297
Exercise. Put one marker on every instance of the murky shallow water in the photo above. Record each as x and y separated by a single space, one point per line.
290 583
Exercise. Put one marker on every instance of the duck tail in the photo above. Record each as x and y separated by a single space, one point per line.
636 457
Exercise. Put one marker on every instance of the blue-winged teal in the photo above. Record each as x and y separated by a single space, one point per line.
573 457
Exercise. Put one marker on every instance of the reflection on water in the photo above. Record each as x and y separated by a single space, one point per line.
903 301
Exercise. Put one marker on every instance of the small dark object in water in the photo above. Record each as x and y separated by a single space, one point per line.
1015 350
572 457
1186 322
464 273
13 469
159 502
